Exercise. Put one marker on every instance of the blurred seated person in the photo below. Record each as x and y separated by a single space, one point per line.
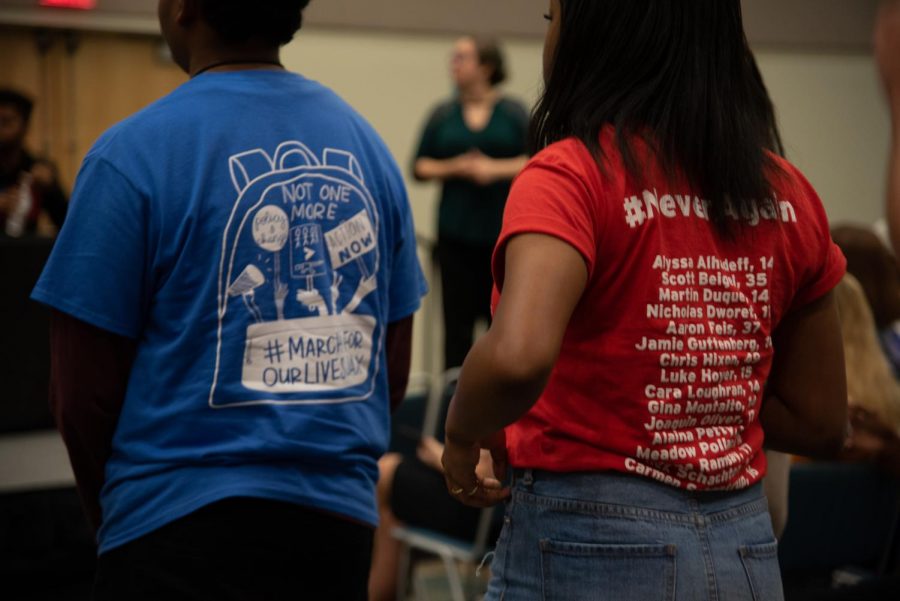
412 491
877 271
870 382
776 485
31 199
873 392
873 441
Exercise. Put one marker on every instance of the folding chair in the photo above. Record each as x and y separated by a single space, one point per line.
452 551
407 420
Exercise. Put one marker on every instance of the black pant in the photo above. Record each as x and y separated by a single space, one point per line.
241 550
466 285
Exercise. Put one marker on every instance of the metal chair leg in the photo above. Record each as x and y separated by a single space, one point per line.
456 586
403 572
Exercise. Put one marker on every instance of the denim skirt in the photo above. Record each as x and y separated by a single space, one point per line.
616 537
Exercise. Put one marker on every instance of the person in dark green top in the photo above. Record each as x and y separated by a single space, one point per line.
474 144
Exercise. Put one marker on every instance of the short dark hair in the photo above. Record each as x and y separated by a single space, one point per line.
20 102
490 54
273 21
679 75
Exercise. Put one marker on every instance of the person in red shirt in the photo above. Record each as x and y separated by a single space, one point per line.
663 308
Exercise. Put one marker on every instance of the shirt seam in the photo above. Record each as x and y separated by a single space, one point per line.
187 507
89 316
525 224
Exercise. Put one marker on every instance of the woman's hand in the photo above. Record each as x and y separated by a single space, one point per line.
474 471
868 436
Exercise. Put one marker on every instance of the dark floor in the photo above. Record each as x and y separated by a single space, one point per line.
47 553
46 547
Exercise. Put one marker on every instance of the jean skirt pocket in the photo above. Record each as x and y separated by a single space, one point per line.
764 575
598 572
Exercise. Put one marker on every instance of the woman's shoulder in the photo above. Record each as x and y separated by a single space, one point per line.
513 107
569 162
570 154
564 150
789 181
440 111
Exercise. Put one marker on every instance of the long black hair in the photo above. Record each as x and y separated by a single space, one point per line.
678 74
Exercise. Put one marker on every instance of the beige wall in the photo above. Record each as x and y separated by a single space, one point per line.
835 126
833 120
394 79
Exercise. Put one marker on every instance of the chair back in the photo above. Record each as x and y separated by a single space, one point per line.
442 391
408 417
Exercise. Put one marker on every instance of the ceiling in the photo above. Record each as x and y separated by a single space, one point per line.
816 25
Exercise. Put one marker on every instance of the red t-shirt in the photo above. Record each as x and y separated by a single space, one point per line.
665 359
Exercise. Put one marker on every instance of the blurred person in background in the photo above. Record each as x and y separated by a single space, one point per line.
871 384
31 198
473 145
876 270
873 391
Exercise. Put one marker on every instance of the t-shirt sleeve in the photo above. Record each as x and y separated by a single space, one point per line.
428 145
552 197
407 285
97 271
825 264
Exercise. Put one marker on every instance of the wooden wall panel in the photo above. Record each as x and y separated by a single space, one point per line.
82 90
113 77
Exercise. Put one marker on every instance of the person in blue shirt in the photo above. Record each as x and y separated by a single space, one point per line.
233 295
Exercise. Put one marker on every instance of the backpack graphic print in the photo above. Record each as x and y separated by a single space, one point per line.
299 264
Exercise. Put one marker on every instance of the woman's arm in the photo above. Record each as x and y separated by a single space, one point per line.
805 411
426 169
507 369
473 166
887 53
484 170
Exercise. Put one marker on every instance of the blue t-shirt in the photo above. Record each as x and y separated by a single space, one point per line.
252 232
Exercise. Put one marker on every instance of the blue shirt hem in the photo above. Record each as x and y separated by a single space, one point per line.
333 506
